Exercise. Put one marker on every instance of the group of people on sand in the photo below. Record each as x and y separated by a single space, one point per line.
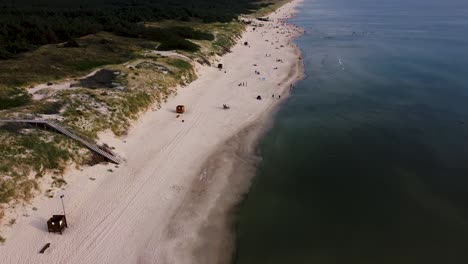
278 60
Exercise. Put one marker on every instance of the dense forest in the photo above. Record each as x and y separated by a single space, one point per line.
27 24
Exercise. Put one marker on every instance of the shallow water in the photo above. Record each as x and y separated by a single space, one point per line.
367 162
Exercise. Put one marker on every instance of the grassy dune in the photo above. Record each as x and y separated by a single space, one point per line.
135 79
142 80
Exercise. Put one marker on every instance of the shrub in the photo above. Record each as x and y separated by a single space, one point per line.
13 97
181 64
49 108
71 44
190 33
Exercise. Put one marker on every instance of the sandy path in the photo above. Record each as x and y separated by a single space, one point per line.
122 216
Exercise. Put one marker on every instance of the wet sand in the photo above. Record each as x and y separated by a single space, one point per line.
210 206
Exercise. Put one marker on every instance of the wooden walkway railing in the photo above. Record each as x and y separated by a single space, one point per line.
91 146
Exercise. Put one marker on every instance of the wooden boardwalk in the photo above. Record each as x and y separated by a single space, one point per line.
108 154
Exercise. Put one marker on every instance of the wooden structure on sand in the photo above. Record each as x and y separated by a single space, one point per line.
57 223
266 19
106 153
180 109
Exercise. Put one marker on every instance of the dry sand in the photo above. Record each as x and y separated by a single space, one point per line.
170 201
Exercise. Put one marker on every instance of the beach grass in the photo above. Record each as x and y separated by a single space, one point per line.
13 97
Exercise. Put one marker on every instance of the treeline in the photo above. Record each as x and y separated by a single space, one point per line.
27 24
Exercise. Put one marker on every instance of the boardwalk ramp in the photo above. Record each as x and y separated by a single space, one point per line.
108 154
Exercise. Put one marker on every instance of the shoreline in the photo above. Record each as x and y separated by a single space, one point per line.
229 171
130 213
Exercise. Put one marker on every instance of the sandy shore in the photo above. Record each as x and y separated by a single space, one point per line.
170 201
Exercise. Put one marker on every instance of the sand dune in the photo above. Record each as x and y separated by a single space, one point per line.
139 212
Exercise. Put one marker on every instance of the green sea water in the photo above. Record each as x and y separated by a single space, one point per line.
367 161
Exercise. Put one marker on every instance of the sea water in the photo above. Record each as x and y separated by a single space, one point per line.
367 161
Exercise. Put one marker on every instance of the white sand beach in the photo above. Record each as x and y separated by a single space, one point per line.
154 207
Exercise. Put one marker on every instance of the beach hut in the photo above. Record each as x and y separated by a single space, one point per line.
220 66
180 109
246 43
57 223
